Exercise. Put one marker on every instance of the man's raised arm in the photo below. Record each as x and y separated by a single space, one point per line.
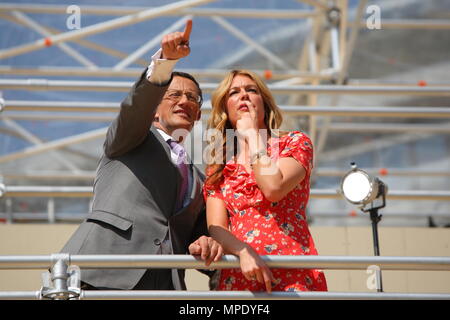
137 110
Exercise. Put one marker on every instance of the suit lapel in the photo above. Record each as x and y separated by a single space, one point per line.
195 182
196 195
168 151
161 140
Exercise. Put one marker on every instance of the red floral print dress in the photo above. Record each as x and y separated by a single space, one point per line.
271 228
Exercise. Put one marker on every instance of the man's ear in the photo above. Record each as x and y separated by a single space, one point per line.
199 115
156 117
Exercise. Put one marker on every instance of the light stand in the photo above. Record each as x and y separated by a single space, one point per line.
375 218
361 189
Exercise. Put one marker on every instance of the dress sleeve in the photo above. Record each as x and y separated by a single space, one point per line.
299 147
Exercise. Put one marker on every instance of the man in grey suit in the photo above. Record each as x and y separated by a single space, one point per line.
147 201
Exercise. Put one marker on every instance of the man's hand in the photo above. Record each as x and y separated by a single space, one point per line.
176 45
207 248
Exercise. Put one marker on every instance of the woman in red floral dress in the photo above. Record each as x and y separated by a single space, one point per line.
256 200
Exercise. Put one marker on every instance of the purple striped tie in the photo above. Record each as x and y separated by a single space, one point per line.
183 167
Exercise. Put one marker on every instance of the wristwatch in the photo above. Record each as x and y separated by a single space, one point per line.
257 155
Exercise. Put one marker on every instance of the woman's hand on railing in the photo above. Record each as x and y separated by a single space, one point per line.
254 268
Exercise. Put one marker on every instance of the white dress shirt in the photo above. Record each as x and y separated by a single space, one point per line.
160 70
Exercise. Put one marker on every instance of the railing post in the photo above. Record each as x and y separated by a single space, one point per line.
8 201
9 210
62 283
51 210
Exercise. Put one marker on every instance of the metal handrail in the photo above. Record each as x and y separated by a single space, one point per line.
77 217
229 261
189 262
221 295
85 192
322 171
230 295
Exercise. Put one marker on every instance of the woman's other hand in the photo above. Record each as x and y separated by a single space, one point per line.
254 268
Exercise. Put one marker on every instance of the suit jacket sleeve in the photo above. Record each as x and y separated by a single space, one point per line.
200 228
137 111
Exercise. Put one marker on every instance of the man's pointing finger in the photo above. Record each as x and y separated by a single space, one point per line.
187 30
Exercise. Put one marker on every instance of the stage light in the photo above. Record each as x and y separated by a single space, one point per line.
361 189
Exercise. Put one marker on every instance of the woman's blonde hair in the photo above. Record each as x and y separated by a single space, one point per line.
219 118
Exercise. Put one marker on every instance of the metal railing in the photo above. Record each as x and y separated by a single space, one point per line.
230 295
124 86
65 283
86 192
51 216
345 111
53 192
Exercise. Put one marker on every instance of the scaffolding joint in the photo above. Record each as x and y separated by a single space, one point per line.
334 17
2 189
62 282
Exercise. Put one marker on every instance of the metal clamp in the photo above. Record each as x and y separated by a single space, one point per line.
2 189
63 282
334 16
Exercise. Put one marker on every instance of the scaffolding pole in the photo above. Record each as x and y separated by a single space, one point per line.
81 192
323 171
250 42
135 72
83 106
318 4
407 172
419 24
127 10
390 127
78 217
138 53
436 128
70 85
56 144
37 141
45 33
100 27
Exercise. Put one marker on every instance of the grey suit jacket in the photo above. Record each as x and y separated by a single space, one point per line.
135 192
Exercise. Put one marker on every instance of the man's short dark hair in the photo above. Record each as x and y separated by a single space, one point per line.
190 77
